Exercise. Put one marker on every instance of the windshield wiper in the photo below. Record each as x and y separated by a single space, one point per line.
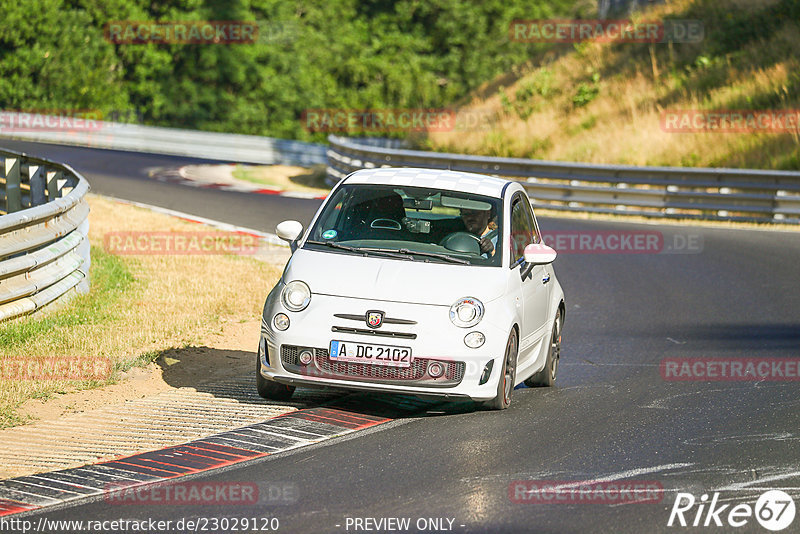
361 250
426 254
332 245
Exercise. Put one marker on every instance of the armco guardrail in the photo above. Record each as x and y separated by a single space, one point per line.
44 225
157 140
664 192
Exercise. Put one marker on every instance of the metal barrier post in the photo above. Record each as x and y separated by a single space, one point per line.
53 178
13 193
38 177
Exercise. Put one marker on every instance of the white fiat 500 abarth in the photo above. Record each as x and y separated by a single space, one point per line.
415 281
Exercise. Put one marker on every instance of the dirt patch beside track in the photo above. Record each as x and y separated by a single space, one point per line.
186 394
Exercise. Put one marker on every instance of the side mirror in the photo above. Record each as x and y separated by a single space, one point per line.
539 254
289 231
536 254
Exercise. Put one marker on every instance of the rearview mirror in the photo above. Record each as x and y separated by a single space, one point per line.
539 254
290 230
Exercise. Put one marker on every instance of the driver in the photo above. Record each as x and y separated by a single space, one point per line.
479 223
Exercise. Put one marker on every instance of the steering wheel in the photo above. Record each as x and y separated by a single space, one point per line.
465 242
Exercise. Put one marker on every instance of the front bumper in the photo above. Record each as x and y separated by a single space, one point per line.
418 373
432 338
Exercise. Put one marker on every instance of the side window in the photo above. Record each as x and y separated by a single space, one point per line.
537 238
522 233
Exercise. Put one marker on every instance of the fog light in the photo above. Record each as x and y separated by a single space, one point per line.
306 357
474 340
487 372
281 321
435 369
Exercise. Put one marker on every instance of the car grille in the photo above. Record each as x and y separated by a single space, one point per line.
415 375
374 333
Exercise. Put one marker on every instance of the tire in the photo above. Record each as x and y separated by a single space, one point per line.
268 389
547 376
505 386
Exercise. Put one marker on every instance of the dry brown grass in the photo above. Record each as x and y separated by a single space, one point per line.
172 301
623 123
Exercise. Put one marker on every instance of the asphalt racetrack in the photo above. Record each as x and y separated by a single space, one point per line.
613 417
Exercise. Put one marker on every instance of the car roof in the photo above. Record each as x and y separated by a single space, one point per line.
431 178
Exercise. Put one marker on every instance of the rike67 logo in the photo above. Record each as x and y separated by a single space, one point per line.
774 510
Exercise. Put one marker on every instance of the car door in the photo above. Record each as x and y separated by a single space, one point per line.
533 290
547 270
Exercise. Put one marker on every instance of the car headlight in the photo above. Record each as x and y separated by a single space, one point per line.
296 296
466 312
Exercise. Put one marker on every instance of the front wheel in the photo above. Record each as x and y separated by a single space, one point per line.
505 386
547 376
268 389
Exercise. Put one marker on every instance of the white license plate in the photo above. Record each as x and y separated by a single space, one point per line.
348 351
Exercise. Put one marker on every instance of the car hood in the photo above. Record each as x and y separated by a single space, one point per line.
376 278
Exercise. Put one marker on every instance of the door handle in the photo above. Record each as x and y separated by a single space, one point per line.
546 278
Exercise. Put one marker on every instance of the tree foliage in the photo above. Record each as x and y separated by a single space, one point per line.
323 54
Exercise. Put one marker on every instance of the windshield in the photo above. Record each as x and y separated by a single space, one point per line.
413 223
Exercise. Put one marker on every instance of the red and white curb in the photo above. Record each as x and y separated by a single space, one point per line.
178 175
283 433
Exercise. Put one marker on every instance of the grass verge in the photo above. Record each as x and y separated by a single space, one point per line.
110 278
138 306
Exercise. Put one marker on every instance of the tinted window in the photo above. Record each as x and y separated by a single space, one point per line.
535 227
417 220
522 233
